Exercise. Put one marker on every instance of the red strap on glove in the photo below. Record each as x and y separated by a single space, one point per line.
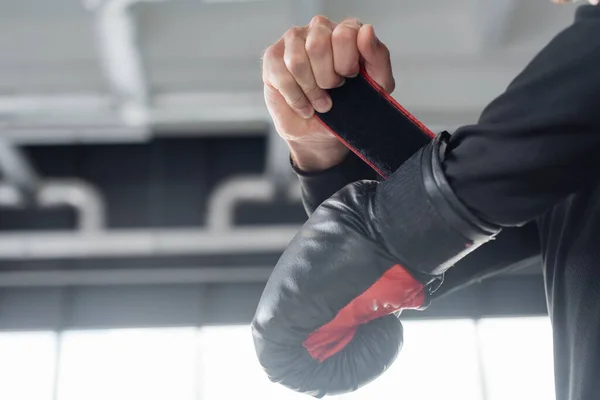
373 125
381 299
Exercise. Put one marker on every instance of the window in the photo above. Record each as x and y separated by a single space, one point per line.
440 359
125 364
231 370
518 360
27 365
449 358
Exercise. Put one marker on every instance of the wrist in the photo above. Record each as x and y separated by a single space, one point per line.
416 209
310 158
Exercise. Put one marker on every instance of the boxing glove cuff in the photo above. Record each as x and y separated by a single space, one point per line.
421 220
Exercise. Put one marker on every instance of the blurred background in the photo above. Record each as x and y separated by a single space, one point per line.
144 197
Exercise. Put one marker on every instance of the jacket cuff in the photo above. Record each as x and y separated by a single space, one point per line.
321 185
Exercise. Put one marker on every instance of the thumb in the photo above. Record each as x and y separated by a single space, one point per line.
376 58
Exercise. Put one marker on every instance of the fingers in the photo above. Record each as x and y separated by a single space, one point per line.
277 76
320 53
376 58
308 60
299 65
345 50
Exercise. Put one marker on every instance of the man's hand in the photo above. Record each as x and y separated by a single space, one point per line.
298 69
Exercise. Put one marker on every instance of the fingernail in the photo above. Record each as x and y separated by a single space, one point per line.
342 83
323 104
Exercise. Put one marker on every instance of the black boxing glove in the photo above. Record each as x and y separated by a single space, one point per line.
327 322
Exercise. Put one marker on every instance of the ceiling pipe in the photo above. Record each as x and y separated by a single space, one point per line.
77 194
81 196
138 276
16 169
220 236
116 33
10 196
144 243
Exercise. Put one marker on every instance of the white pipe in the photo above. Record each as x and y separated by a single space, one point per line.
144 243
117 41
220 237
79 195
74 193
10 196
90 133
224 199
141 276
16 169
63 103
121 59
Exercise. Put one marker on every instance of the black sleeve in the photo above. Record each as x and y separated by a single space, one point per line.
540 141
318 187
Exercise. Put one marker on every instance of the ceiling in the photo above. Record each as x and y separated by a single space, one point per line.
72 69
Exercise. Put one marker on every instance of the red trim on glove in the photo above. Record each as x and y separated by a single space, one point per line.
395 290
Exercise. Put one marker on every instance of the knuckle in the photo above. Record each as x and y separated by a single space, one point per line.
294 33
297 64
345 34
319 20
318 46
351 23
269 54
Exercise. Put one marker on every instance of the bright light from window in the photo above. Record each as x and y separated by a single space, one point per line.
148 364
231 369
442 352
27 361
438 361
518 359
